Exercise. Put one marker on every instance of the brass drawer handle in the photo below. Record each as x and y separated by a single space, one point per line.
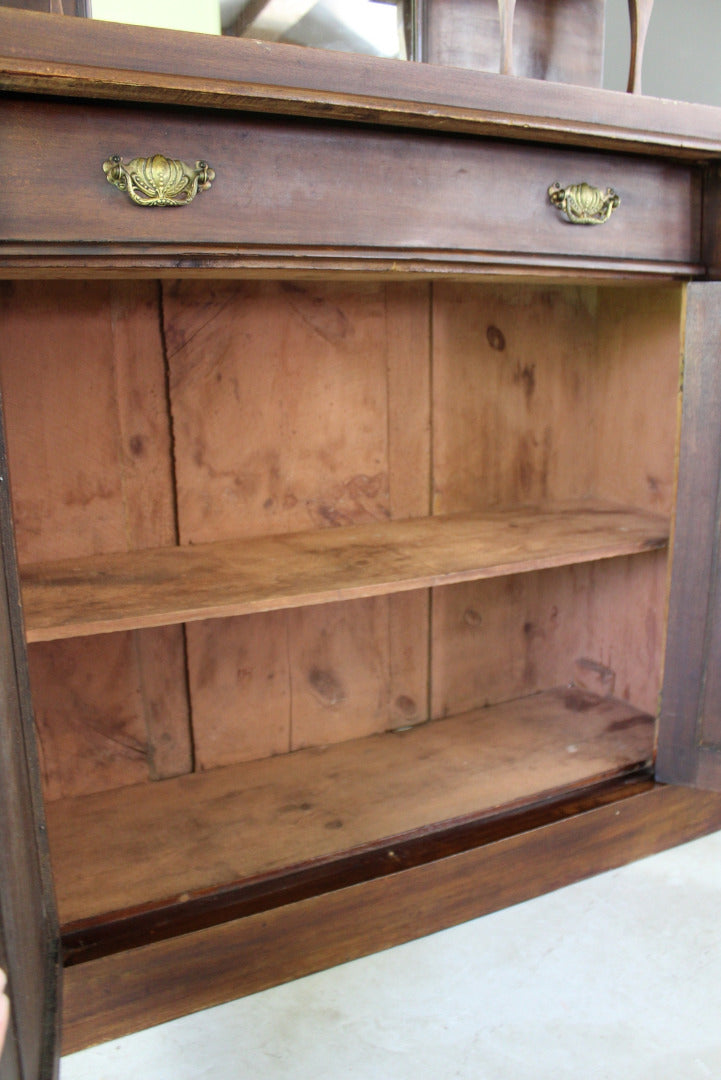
583 204
158 180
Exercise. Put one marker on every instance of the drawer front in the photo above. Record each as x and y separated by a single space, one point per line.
296 187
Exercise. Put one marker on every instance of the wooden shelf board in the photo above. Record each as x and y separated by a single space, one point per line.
120 851
162 586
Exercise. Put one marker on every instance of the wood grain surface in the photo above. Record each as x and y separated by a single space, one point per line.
43 54
598 625
89 442
559 45
253 819
29 935
151 433
690 720
182 584
545 394
540 394
314 202
250 367
300 406
637 386
113 995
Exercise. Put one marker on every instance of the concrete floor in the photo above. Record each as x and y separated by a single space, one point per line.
618 977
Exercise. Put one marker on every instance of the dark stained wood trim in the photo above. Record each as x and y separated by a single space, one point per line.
40 53
29 937
711 220
10 1067
110 996
110 934
681 757
30 260
450 194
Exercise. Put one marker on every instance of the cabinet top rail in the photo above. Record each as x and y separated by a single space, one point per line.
64 56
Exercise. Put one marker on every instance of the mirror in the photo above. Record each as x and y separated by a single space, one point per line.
373 27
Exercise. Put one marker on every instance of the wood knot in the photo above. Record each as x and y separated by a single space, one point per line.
496 338
326 686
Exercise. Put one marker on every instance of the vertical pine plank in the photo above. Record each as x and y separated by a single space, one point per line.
279 400
541 395
505 638
90 462
511 371
301 406
637 381
409 479
512 368
340 671
240 688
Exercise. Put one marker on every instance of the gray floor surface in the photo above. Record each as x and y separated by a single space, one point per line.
618 976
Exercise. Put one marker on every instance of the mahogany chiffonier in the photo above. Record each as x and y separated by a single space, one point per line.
360 558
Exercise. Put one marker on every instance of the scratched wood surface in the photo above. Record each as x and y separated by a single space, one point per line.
117 994
598 625
299 406
82 374
255 818
638 375
145 64
160 586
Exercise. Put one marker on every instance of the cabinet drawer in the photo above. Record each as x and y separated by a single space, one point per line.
285 188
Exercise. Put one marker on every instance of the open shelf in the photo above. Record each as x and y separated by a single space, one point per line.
124 851
162 586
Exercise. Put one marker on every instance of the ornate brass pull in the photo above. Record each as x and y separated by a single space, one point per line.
158 180
583 204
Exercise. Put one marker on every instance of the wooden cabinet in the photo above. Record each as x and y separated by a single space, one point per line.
342 504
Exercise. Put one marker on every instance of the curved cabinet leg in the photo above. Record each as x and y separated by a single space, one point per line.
506 9
640 12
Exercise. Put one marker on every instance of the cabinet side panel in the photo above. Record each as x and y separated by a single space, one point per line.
88 429
298 406
689 743
29 940
710 719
